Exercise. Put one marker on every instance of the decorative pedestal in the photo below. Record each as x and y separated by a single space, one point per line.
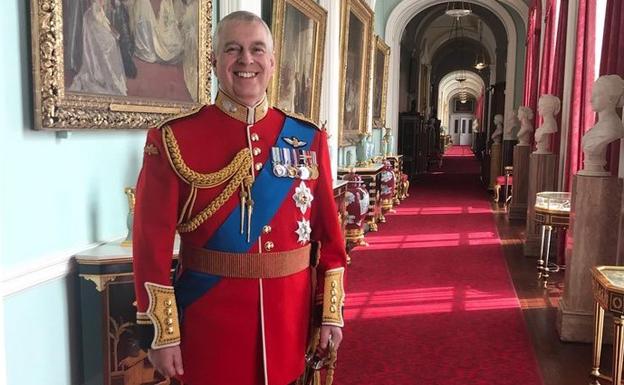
508 152
495 164
541 178
520 187
594 216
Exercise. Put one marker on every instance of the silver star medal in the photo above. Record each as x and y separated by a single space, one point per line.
303 231
303 197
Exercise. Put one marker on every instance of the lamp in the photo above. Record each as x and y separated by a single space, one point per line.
480 58
456 32
457 9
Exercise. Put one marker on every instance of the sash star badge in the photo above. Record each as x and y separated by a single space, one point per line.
303 197
294 141
303 231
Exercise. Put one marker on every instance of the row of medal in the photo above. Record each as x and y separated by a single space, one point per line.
294 163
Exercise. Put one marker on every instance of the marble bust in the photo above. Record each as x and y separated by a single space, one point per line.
607 94
548 106
498 133
510 125
525 114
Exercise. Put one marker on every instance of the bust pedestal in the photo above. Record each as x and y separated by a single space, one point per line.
541 178
520 186
495 164
594 215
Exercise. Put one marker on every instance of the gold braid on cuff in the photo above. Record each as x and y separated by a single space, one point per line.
163 313
333 297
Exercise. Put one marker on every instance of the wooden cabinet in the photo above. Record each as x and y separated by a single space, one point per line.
340 189
110 352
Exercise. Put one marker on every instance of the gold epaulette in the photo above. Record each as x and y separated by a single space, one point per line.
300 118
333 297
163 314
181 115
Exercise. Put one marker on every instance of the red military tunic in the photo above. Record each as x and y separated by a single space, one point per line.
236 330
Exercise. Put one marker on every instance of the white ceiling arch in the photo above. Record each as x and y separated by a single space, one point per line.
404 11
449 88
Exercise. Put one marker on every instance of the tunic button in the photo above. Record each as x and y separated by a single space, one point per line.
170 330
266 229
257 151
255 137
169 321
332 308
168 302
268 246
258 166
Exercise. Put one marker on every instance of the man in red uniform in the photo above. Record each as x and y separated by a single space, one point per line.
248 189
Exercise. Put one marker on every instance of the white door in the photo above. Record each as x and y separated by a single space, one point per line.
455 130
465 136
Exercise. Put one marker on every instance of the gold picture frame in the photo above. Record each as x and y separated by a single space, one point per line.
355 46
299 31
95 65
381 60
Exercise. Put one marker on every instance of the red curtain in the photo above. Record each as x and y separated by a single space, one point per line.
532 55
479 112
558 68
612 62
581 115
547 70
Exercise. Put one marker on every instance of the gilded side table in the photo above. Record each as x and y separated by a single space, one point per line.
552 212
371 176
608 290
397 163
110 349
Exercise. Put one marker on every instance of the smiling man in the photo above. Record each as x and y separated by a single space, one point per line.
249 190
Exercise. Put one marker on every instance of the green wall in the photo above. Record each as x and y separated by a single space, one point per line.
58 193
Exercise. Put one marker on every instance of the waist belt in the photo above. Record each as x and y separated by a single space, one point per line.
245 265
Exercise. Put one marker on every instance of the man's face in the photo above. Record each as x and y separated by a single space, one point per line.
244 63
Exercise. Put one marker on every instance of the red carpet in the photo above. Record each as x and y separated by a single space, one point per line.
430 301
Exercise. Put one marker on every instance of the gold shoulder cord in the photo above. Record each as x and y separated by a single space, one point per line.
237 172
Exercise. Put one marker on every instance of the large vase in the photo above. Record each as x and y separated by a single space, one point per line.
388 184
357 202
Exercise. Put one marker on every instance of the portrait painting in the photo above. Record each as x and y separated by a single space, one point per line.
381 57
299 32
356 37
119 63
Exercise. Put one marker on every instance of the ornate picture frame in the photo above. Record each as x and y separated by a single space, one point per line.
299 31
355 42
381 60
118 64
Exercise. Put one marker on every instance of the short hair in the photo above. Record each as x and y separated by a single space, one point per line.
526 110
243 16
612 87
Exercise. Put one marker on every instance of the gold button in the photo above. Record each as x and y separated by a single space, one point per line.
332 308
255 137
258 166
269 246
266 229
169 321
168 302
257 151
334 300
170 330
169 311
334 284
333 292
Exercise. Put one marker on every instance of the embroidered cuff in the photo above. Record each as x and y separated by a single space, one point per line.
163 314
333 297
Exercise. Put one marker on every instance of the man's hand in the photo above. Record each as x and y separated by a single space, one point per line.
168 361
330 332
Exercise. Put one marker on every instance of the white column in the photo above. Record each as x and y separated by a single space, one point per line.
567 89
330 103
